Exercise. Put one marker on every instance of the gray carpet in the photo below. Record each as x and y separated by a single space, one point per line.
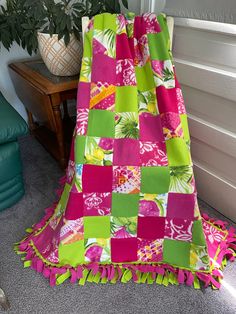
30 292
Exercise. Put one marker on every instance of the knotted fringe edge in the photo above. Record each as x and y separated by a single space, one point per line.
94 272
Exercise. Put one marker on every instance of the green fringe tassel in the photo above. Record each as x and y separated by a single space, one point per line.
63 277
127 275
97 278
83 280
27 264
196 283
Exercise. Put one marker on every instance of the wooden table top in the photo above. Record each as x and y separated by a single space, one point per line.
37 74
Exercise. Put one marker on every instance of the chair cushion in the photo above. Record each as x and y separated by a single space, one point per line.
12 124
10 163
11 192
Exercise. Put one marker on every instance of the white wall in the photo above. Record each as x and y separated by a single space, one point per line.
212 10
6 85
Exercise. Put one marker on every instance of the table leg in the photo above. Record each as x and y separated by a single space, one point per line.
65 108
32 125
59 129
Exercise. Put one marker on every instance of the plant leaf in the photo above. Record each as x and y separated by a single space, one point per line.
125 3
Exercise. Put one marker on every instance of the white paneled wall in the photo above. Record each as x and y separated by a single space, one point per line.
205 58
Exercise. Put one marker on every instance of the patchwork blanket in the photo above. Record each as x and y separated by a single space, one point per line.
128 208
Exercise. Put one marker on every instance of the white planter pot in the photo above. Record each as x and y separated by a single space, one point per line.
59 59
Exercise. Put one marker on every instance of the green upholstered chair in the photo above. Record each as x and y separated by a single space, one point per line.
11 181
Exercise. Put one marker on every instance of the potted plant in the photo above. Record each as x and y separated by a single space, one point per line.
53 27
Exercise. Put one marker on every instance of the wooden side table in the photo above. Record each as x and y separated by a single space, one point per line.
42 94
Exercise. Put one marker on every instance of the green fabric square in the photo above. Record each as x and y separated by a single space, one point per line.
101 123
79 149
71 254
164 28
178 152
124 205
176 252
105 21
184 122
64 196
198 233
158 46
97 227
155 180
145 78
88 44
126 99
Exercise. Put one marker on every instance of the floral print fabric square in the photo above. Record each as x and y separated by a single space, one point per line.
126 179
97 250
98 151
124 227
153 154
163 73
97 204
125 73
127 125
147 102
179 229
153 205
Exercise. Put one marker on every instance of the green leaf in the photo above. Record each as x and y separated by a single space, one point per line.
26 26
67 39
117 6
125 3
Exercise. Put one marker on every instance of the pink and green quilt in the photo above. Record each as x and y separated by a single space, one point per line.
128 207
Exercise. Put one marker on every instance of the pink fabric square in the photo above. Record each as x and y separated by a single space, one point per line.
151 23
153 154
123 50
126 152
124 250
82 121
103 69
213 238
150 128
180 101
131 46
70 171
97 178
97 204
83 95
139 27
179 229
48 241
181 206
74 208
125 73
151 227
167 99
